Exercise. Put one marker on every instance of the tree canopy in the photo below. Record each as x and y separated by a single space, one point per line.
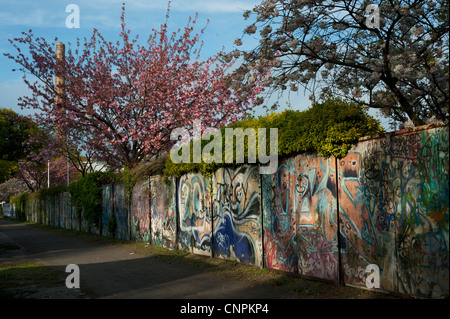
120 100
330 127
15 130
397 63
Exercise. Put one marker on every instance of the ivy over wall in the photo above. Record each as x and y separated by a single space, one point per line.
20 200
328 128
130 176
86 194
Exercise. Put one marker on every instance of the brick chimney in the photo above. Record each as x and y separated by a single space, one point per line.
59 79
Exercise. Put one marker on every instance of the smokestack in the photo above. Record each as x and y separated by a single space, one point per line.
59 81
60 91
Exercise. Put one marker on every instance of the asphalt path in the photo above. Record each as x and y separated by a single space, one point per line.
170 289
114 271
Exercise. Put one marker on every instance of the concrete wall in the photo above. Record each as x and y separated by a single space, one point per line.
140 218
237 233
115 204
300 220
194 208
394 204
389 197
163 212
392 201
8 210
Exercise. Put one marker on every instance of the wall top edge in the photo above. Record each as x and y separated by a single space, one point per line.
405 131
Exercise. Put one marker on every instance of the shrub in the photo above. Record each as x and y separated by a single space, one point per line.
131 176
19 203
86 195
328 128
47 192
112 224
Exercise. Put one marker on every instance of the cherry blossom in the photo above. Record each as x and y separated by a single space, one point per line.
122 99
399 68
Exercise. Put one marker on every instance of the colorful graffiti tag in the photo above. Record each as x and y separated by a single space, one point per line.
300 217
114 203
107 209
399 211
163 211
194 205
237 215
366 232
140 208
390 193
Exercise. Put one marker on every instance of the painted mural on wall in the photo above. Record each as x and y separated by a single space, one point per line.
299 209
194 207
64 210
394 206
8 210
140 212
163 212
237 215
32 209
121 210
367 235
107 209
114 202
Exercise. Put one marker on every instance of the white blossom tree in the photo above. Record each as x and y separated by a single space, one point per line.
393 58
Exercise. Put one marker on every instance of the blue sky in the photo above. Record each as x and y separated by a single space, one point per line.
47 18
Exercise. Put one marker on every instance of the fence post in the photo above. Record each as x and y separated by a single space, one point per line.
150 226
261 201
338 233
211 208
177 213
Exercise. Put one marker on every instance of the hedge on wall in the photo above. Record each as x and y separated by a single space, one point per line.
19 203
328 128
130 176
20 200
86 195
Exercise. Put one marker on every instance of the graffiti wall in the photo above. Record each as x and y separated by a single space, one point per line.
163 212
107 210
389 197
121 211
194 208
367 224
8 210
114 203
299 211
237 215
32 209
393 195
140 212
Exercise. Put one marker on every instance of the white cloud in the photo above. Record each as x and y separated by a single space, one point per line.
106 13
225 6
31 14
210 6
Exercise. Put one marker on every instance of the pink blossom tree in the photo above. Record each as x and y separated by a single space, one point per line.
122 99
43 165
